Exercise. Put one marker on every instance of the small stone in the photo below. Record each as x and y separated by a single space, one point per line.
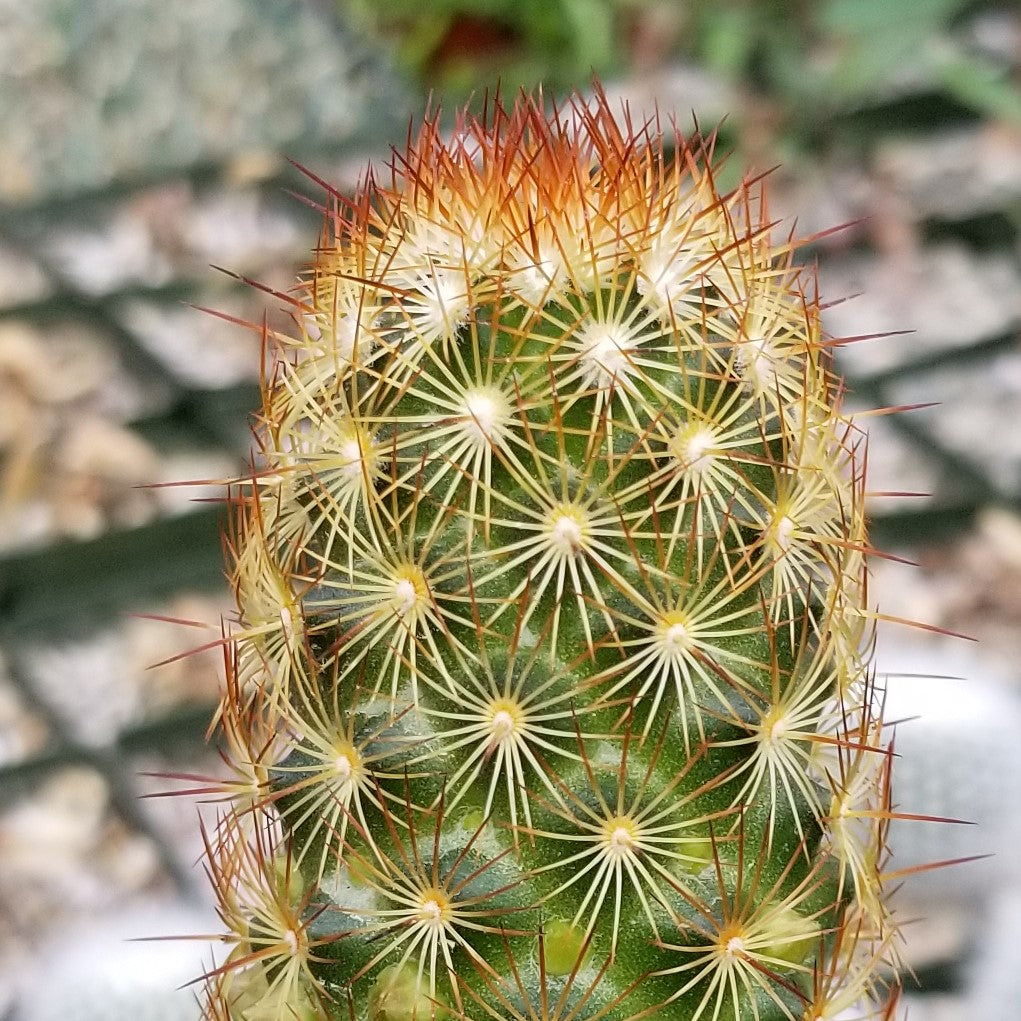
161 657
955 174
102 468
22 280
89 672
189 476
114 252
23 733
65 816
997 32
675 90
240 229
947 297
902 475
139 670
978 403
200 350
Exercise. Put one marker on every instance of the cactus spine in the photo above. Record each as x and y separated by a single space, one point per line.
549 697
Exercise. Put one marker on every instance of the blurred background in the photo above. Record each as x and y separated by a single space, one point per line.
143 143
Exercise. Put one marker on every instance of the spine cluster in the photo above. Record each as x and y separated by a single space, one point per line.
549 696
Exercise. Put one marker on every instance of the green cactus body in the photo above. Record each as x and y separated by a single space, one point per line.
550 697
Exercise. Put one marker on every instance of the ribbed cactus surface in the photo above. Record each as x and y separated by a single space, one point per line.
549 696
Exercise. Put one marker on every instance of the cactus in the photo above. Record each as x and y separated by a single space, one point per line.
549 696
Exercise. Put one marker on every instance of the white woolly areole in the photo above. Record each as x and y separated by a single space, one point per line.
776 732
287 621
756 361
503 725
350 337
619 837
350 456
783 532
343 768
621 840
535 281
485 412
668 275
441 304
692 449
674 638
431 912
605 349
405 596
567 531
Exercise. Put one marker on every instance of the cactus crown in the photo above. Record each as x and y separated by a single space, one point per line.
550 693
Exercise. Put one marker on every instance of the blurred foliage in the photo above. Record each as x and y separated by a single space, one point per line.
816 60
462 46
797 63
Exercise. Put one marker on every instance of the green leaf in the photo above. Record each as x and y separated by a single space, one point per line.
982 85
